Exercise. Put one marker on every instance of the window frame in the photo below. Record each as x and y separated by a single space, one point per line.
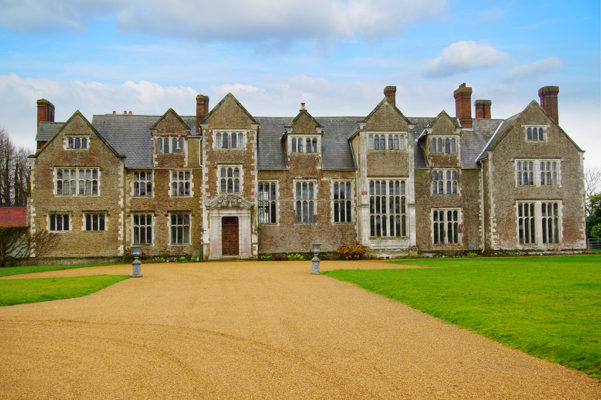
300 144
148 181
443 221
70 143
174 144
444 144
271 204
529 133
187 179
101 221
218 135
347 201
186 234
305 214
75 184
450 184
537 175
147 228
380 226
544 230
65 216
233 178
383 141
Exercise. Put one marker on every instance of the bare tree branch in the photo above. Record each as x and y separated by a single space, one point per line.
592 186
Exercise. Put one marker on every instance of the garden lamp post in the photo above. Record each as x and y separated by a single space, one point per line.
136 264
315 248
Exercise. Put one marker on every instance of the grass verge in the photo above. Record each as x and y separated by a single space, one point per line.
43 268
549 307
19 291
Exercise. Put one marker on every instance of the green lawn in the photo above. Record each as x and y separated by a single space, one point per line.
18 291
42 268
549 307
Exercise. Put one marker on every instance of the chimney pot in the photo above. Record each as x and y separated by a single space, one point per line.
114 112
463 105
483 109
125 112
202 109
45 111
548 101
129 112
303 106
390 93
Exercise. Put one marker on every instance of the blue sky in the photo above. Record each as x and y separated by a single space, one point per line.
335 55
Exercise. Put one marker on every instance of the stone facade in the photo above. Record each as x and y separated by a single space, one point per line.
227 184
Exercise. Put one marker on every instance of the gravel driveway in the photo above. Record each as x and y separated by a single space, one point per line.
256 330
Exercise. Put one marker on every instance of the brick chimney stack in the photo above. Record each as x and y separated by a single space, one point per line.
45 111
463 105
483 109
548 100
202 109
390 93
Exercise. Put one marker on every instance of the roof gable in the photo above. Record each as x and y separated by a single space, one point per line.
170 122
444 124
304 123
533 109
79 118
229 112
386 117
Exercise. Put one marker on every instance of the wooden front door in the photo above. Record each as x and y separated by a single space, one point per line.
229 236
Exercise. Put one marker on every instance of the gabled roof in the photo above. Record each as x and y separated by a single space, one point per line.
169 111
384 101
226 97
509 123
302 112
11 217
77 113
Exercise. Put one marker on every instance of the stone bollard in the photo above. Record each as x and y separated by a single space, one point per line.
315 248
136 265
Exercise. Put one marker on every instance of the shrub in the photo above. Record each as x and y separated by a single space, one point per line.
195 256
264 257
295 256
352 251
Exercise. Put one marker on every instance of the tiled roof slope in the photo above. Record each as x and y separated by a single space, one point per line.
130 136
13 217
47 130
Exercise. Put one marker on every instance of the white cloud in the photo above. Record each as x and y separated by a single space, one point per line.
18 101
537 68
237 20
464 56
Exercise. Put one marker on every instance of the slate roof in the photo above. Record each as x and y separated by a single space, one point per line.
47 130
130 135
13 217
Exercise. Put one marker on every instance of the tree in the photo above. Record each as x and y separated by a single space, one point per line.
592 186
14 173
593 219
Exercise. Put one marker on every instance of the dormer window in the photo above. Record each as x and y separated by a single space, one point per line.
443 144
229 140
304 144
535 133
383 141
77 142
167 144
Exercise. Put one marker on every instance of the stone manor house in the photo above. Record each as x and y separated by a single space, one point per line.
230 184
